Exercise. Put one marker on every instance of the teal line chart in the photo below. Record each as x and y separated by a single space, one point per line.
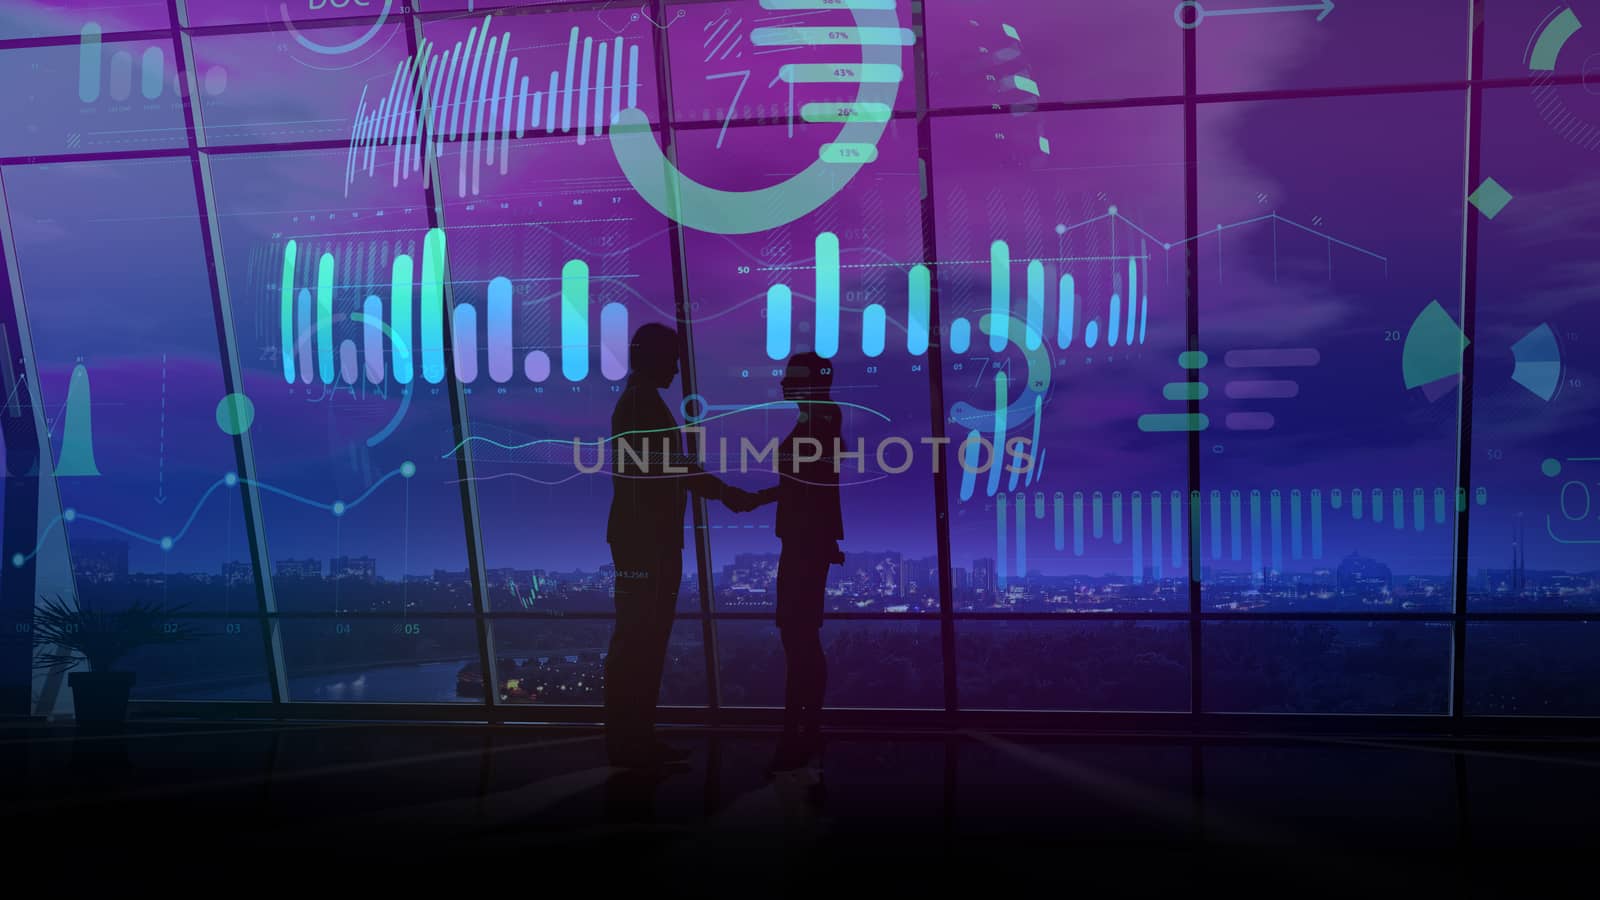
337 508
1120 517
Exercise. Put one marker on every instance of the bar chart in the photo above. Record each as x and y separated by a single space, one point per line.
473 94
1264 527
1127 311
307 323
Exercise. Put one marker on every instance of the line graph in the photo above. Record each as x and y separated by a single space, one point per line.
339 508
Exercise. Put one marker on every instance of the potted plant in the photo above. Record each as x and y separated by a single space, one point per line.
66 635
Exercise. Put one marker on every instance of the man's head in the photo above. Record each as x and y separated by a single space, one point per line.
808 376
653 355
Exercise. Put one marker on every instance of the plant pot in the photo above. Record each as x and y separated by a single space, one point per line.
100 698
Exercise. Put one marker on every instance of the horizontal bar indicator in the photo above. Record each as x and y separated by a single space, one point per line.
1163 422
1185 390
842 36
845 112
842 73
848 153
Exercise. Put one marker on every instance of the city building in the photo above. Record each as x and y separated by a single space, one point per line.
298 568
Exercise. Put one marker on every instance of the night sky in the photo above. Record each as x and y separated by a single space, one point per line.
1360 221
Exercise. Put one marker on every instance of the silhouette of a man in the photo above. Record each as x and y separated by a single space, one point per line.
650 484
810 525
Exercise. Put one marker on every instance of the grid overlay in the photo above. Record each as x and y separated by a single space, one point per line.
1473 86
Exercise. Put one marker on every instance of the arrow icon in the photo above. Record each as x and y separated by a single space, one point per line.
1190 13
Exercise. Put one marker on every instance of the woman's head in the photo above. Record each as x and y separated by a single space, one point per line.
808 375
653 354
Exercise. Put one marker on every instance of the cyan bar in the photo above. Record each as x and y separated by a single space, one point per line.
1000 387
575 320
1133 296
1064 321
999 295
827 294
325 317
779 321
286 309
1035 332
1113 326
433 251
499 328
400 318
960 336
874 322
919 287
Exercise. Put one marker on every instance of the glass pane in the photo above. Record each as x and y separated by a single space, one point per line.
380 660
1533 669
754 303
1369 668
360 490
256 88
50 18
562 663
748 61
1308 287
1057 239
226 660
1341 45
130 366
568 72
202 13
97 97
1121 666
1535 531
1540 39
870 664
530 394
1062 51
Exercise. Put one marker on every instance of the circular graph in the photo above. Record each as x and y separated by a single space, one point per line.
1569 109
877 33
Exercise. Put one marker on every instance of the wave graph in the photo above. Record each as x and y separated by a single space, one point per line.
473 94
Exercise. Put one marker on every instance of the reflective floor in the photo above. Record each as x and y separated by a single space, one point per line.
1119 814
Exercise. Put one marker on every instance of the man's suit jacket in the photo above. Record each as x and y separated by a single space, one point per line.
648 502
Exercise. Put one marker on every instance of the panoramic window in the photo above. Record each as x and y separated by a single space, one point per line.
1183 359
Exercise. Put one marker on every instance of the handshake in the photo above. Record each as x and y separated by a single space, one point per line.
742 501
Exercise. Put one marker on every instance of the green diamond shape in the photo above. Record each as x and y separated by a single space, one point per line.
1490 198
